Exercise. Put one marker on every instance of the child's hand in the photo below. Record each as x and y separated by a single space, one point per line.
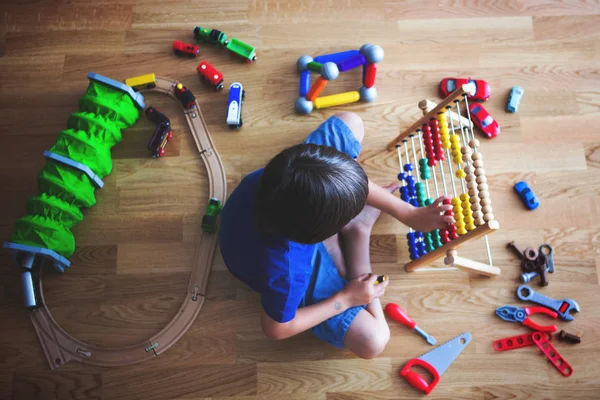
363 290
426 219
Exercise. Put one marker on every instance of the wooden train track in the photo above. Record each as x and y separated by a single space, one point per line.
61 348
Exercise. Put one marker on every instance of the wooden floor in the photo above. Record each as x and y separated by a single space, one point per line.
134 248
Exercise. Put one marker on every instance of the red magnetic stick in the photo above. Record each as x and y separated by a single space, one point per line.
397 314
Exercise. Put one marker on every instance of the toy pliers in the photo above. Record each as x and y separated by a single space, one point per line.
517 314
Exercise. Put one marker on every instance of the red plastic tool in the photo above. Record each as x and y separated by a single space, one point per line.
436 362
555 358
516 342
395 312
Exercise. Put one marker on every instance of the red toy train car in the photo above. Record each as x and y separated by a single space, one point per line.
180 49
209 75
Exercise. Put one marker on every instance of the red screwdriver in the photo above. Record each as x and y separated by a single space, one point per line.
397 314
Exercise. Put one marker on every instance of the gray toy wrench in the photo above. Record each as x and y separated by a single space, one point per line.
562 307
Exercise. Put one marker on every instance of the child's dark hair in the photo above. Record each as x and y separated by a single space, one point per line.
307 193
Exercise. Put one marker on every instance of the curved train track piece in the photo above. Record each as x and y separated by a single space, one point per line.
61 348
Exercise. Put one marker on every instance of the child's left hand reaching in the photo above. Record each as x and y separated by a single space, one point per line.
426 219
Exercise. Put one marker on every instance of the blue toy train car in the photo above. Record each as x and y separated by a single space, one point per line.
234 105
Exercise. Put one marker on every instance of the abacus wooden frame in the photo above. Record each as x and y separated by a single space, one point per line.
60 347
479 231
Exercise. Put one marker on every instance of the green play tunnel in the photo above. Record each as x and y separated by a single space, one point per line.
65 183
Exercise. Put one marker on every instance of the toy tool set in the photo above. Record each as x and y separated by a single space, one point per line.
534 261
436 362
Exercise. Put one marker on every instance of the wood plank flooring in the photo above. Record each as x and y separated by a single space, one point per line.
135 247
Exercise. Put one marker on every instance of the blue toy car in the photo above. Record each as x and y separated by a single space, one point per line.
234 105
526 195
514 99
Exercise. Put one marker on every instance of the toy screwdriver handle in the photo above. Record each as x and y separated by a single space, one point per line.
396 313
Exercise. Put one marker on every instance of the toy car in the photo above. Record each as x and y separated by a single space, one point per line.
482 89
484 121
209 220
242 49
514 99
141 82
209 75
211 36
159 139
526 195
234 105
180 49
185 97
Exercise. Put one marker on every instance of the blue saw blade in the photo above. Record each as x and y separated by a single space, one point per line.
442 356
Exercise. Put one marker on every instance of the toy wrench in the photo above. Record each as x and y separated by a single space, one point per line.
562 307
436 362
516 314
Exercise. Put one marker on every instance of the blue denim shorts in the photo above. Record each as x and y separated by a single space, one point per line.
325 280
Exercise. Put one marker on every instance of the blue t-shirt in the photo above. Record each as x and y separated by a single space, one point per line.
276 267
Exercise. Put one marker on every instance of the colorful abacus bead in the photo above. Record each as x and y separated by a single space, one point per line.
412 245
428 240
424 170
444 131
404 195
437 141
421 248
455 146
428 143
421 195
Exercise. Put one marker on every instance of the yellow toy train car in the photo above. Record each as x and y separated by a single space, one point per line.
138 83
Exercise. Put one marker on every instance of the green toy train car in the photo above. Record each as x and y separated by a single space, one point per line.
242 49
209 221
212 36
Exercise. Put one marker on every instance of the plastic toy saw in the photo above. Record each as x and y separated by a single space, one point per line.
436 362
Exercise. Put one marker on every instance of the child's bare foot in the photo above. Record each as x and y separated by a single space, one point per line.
364 221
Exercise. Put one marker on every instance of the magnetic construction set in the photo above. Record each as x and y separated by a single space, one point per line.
437 154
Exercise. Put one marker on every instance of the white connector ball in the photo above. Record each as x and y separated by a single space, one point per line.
330 71
304 106
303 62
368 94
372 53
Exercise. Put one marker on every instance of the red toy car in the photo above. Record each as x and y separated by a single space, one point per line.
209 75
483 120
482 89
180 48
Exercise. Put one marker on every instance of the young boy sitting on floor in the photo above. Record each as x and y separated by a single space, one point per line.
298 232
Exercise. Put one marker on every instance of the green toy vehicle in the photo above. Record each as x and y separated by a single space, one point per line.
242 49
209 221
212 36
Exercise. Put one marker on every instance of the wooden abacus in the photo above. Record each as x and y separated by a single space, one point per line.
438 140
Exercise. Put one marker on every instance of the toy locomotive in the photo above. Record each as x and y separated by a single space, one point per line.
209 221
185 97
